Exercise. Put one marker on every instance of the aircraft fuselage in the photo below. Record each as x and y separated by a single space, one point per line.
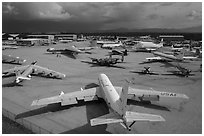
111 96
167 56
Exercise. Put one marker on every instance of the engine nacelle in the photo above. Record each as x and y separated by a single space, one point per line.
149 98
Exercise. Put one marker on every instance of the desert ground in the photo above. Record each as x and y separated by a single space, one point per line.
182 116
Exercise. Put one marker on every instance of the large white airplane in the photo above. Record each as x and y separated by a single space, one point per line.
150 46
115 98
70 51
4 47
112 45
25 72
160 56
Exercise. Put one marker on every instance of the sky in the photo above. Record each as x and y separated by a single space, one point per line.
90 16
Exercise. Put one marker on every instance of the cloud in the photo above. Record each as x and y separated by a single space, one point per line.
29 11
9 9
194 15
53 11
166 4
104 15
153 16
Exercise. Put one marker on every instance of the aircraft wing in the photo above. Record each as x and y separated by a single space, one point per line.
150 95
47 72
70 98
142 73
14 70
106 119
135 116
154 58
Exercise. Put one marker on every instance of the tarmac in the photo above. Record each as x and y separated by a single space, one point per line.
182 116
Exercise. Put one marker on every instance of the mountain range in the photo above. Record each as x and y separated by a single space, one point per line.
197 29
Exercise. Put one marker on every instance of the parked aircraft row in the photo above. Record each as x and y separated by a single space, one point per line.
114 96
184 72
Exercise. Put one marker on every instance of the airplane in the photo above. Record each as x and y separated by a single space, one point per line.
116 99
141 49
117 52
12 60
149 45
109 62
184 72
65 41
4 47
85 48
145 71
71 51
111 45
193 55
101 42
163 57
25 72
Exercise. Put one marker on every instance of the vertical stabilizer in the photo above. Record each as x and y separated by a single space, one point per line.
123 98
181 54
93 43
161 43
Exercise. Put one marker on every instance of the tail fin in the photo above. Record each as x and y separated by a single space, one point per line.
181 54
93 43
123 98
197 52
161 43
18 73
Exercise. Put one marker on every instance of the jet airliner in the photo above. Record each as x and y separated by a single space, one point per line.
115 98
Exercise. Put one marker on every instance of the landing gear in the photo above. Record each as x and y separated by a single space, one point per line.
129 128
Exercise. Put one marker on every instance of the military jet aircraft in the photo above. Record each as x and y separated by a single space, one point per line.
118 52
108 62
12 60
70 51
183 72
116 100
145 71
164 57
25 72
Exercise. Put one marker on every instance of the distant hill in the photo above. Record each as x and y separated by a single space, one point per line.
197 29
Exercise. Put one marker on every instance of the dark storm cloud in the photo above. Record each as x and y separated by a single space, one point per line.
153 16
90 16
166 4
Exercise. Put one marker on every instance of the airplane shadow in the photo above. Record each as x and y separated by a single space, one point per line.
93 110
11 84
49 108
15 63
59 55
147 105
175 73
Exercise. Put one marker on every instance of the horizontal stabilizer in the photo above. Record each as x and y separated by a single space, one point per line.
135 116
106 119
23 78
